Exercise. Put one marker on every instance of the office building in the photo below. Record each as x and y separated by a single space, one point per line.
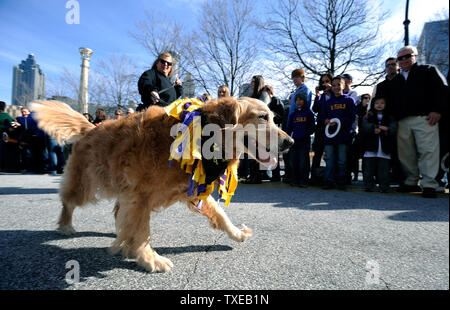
28 82
433 45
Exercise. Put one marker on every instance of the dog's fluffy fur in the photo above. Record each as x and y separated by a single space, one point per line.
127 160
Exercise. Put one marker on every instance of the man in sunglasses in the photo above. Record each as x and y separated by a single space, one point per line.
417 98
155 86
391 68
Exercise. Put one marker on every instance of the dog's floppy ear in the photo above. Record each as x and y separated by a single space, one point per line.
222 111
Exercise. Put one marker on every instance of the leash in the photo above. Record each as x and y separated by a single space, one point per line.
159 100
165 89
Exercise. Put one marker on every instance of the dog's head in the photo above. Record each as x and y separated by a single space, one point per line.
247 126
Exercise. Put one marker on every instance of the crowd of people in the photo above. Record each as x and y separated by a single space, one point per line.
397 134
25 148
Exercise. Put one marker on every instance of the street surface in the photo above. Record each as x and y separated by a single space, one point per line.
304 239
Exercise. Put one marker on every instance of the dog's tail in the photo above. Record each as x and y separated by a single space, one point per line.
60 121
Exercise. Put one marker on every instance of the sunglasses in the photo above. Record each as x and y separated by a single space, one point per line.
166 62
405 57
365 98
392 64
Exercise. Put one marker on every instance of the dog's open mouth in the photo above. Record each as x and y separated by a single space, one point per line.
261 153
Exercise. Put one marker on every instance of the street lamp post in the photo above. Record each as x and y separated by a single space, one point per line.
83 94
406 23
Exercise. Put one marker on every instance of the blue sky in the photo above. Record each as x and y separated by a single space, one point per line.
39 27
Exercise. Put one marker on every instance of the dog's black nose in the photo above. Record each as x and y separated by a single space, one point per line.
286 144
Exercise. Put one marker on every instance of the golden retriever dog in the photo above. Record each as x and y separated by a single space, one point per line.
128 160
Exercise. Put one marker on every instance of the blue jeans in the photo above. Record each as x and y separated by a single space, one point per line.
55 155
299 159
336 160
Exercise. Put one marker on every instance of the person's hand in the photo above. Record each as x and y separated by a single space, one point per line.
383 128
178 81
327 121
155 94
377 130
433 118
317 91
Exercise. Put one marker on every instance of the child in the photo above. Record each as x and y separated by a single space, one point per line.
300 127
342 107
379 131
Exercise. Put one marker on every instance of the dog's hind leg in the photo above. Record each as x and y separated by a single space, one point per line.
219 220
73 193
65 220
70 200
133 237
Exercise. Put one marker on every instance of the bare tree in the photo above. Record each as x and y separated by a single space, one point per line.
328 36
226 44
67 85
112 84
220 52
116 82
157 34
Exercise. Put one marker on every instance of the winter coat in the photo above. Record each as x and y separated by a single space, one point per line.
152 80
370 140
343 108
300 124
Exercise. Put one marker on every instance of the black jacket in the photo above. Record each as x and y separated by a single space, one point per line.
423 92
152 80
370 139
382 90
277 107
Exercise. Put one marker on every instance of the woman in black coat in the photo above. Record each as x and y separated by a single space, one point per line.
155 86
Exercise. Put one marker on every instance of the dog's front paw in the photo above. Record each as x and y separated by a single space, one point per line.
245 233
240 235
155 263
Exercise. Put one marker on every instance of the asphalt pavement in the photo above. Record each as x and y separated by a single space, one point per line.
304 239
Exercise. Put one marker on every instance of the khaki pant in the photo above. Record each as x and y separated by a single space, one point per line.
418 150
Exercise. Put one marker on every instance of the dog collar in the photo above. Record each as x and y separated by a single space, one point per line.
186 149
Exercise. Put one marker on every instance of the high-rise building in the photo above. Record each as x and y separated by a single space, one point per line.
433 45
176 66
188 86
245 90
28 82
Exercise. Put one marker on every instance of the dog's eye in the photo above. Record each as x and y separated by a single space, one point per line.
264 117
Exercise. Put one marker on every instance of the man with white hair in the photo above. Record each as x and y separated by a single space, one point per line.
417 99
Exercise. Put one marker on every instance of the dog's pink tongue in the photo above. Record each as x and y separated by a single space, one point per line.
267 159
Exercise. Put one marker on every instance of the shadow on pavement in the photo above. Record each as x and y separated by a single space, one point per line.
29 262
412 208
26 191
